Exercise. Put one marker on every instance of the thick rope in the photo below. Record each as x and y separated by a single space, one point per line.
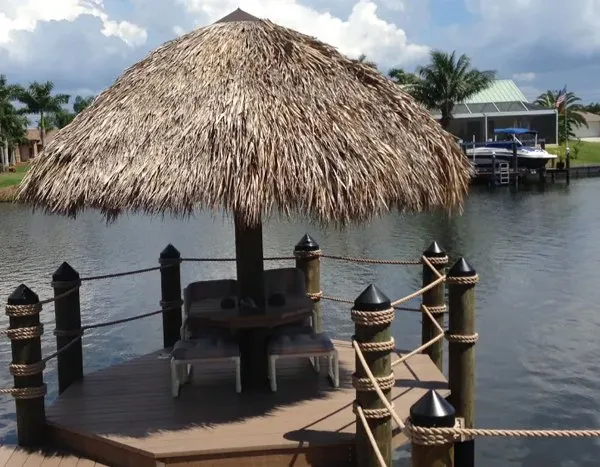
126 273
315 296
421 291
468 280
373 318
386 346
19 334
76 285
365 384
363 420
299 254
15 311
435 260
374 413
25 393
352 259
436 310
26 369
228 260
462 339
339 300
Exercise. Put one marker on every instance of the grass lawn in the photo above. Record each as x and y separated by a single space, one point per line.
588 153
13 178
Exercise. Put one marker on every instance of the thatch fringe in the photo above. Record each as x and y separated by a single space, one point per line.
249 116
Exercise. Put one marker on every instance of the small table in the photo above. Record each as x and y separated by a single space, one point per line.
253 329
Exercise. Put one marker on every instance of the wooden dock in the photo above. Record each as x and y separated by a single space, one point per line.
549 174
13 456
125 415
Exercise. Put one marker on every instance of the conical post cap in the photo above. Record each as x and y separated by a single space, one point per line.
372 299
307 243
432 410
434 251
462 268
65 273
23 295
170 252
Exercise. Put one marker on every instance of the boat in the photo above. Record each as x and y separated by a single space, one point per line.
530 157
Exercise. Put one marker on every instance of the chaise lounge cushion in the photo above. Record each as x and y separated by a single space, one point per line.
204 348
301 344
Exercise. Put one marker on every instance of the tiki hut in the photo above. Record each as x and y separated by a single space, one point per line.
250 117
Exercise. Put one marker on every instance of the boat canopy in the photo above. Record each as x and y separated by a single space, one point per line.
514 131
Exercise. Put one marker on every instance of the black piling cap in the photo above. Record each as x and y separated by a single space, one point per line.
462 268
434 251
170 252
23 295
65 273
307 243
372 299
432 410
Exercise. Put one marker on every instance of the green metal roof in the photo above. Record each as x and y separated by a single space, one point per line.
501 90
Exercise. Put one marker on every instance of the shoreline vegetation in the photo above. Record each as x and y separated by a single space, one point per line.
582 152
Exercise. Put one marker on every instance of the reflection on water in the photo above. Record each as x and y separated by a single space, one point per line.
537 253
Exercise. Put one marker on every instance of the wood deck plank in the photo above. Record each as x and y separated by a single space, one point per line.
130 405
5 453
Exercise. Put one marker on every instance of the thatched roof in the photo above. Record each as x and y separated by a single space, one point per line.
250 116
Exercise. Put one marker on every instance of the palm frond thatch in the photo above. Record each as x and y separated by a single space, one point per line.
250 117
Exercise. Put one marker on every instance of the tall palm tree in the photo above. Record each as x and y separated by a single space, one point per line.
574 115
12 125
38 99
449 80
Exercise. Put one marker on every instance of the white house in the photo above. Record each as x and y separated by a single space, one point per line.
593 128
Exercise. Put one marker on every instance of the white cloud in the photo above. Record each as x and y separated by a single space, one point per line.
25 15
524 77
362 32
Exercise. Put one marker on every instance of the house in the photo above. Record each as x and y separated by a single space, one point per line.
592 131
502 105
33 145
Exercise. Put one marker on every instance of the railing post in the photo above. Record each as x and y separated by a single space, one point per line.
170 287
67 316
308 260
434 300
23 310
432 411
462 337
373 314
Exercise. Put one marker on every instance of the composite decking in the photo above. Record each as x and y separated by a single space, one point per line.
125 415
12 456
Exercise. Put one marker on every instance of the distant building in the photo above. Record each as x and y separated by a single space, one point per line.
33 145
592 131
502 105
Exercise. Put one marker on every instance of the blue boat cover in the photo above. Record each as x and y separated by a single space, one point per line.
514 131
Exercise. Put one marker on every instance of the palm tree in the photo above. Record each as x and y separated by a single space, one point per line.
81 103
574 115
12 124
363 59
401 77
448 80
38 99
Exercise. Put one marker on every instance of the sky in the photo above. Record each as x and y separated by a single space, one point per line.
84 45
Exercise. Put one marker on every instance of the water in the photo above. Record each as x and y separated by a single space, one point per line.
538 358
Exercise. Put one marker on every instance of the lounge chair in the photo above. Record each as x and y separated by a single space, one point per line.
297 340
201 343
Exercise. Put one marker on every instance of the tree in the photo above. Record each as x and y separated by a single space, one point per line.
81 103
12 124
574 116
594 108
449 80
60 119
363 59
38 99
401 77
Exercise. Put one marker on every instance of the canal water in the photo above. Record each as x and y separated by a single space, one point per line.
537 253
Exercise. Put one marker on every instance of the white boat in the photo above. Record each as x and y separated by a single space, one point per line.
528 157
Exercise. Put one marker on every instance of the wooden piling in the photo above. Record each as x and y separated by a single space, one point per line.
515 164
462 337
432 410
434 300
24 332
170 287
372 315
67 316
308 260
568 166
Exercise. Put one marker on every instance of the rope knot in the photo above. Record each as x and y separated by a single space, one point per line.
23 310
373 318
